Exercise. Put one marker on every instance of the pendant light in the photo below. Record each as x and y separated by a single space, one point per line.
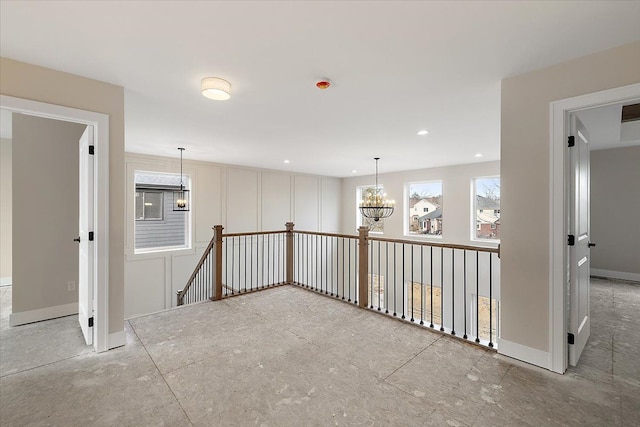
181 201
375 206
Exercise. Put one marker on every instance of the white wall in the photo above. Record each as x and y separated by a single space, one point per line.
5 211
456 200
241 199
615 204
45 217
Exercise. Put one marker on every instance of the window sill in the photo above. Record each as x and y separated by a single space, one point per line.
424 236
493 243
150 253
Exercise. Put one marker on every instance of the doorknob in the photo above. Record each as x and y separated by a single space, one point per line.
591 244
77 240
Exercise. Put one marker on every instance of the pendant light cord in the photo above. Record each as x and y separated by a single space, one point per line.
181 182
377 188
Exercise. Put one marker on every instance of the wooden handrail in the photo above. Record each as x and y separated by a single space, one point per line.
254 233
409 242
367 237
437 245
318 233
180 294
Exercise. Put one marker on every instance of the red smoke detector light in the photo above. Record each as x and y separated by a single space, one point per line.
323 84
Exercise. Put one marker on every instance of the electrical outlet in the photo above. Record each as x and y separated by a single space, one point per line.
71 286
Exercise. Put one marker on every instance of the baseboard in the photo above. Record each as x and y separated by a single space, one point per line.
117 339
31 316
615 274
6 281
524 353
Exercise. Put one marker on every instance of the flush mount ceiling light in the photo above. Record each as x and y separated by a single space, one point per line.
216 88
423 132
478 155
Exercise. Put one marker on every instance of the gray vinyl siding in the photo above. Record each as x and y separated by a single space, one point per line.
169 231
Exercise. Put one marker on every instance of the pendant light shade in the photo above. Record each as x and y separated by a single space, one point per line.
181 197
216 88
376 206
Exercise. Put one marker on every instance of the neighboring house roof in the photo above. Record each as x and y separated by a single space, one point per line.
487 203
432 215
487 217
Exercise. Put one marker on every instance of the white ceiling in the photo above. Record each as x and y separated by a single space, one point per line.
396 67
605 129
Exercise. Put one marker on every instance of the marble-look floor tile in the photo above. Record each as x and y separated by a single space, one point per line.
288 356
119 387
25 347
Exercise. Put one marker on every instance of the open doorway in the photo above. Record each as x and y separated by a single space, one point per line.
563 116
44 212
614 276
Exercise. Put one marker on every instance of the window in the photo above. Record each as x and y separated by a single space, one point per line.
486 211
149 205
425 208
362 193
157 226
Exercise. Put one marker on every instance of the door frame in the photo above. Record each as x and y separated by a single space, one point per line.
100 123
559 210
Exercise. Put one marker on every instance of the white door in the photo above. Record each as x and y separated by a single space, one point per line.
87 247
579 259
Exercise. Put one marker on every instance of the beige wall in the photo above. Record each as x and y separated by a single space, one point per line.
456 202
5 209
45 212
615 204
45 85
240 198
525 172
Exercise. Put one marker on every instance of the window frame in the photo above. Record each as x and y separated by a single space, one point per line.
188 230
144 218
475 225
407 215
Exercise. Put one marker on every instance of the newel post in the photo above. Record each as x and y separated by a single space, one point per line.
289 254
363 266
217 262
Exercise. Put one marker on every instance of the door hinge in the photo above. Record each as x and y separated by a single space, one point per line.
572 141
571 240
570 338
91 150
91 322
91 236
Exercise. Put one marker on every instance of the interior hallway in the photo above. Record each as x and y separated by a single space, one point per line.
286 357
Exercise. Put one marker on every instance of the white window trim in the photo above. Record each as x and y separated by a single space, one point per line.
407 215
474 223
188 247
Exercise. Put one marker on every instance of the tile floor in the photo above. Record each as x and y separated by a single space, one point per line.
287 357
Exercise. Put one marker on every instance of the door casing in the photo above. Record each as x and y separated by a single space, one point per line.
100 123
559 210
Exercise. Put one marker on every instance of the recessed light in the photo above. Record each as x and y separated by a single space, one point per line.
478 155
423 132
354 171
287 161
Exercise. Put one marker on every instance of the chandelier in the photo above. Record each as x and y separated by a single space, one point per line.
376 206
